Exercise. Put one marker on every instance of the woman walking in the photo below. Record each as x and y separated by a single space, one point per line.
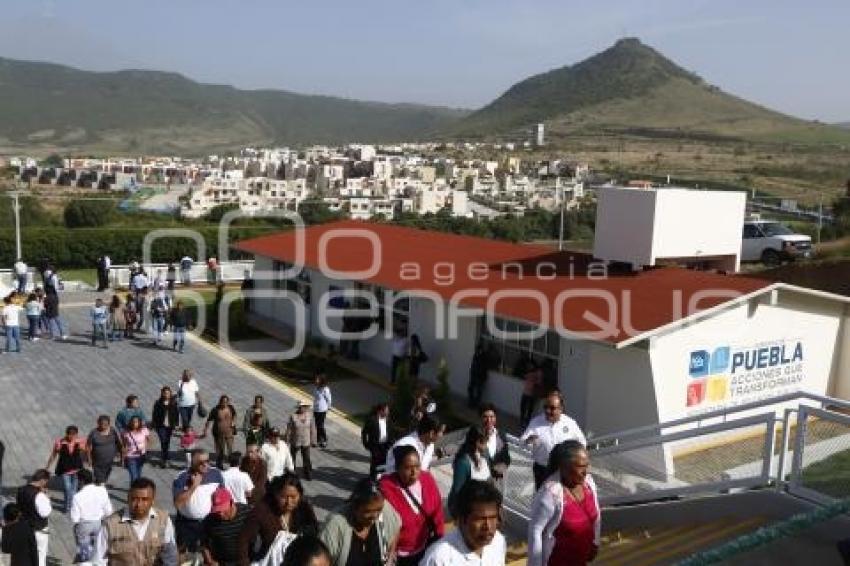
470 463
136 439
283 514
165 418
301 435
414 495
565 519
68 454
179 322
188 397
321 405
117 319
104 447
365 531
131 317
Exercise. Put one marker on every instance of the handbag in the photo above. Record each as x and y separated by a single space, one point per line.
202 411
432 528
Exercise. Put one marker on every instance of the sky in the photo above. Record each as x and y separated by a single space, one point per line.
789 55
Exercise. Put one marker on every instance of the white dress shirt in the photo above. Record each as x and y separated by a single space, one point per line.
549 434
42 505
382 430
90 504
451 550
322 399
426 453
238 483
278 458
139 527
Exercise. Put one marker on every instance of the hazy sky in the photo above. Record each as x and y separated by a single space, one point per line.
790 55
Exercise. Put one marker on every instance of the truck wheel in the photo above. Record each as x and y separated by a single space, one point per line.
771 257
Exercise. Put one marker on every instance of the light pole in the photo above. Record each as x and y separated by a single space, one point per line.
17 210
561 229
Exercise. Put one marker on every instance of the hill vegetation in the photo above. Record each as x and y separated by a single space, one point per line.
53 106
631 89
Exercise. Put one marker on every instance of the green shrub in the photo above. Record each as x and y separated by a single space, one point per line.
88 213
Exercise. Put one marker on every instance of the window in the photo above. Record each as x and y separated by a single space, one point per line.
751 231
392 305
515 347
300 283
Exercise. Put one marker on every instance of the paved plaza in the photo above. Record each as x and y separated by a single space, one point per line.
53 384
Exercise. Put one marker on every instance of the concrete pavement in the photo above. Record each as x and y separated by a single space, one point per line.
52 384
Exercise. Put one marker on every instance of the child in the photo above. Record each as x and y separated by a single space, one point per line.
18 538
187 443
33 310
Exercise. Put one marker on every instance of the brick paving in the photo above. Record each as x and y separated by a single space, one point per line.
52 384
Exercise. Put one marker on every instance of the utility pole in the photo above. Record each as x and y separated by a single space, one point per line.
17 210
820 215
561 231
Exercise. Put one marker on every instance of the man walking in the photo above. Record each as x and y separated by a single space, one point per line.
35 509
375 436
20 269
140 534
192 491
88 508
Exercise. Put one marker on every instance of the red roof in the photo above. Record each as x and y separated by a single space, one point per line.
630 303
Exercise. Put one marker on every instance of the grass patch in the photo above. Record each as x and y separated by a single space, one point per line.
85 275
830 476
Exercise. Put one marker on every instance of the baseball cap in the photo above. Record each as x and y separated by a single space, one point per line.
221 500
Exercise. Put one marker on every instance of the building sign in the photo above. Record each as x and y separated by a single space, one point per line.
732 375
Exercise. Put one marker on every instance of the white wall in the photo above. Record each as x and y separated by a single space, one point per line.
641 226
813 322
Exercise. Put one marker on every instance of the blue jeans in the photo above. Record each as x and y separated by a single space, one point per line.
85 533
69 488
33 329
13 333
98 328
60 326
22 283
134 467
179 337
116 334
158 327
186 415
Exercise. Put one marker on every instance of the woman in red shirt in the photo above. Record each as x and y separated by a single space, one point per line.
414 495
565 520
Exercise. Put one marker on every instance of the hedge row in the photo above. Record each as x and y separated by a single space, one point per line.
80 247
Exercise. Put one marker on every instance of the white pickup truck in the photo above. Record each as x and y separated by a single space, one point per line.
772 243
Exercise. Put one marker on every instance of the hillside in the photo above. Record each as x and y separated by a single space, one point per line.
57 107
631 89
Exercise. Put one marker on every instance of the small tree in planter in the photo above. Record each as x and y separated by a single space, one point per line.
443 393
402 401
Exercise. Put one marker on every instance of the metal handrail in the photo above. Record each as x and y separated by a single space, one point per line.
657 428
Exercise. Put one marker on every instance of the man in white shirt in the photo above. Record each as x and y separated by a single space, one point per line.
375 437
89 507
427 432
35 509
547 430
276 454
115 542
477 540
237 482
11 322
21 275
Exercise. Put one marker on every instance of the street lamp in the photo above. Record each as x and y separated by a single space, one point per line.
16 207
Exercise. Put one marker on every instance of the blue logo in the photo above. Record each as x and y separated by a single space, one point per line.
720 359
699 363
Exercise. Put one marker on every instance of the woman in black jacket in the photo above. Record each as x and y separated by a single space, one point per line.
165 419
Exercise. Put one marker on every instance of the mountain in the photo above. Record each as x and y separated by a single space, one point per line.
843 124
632 89
54 106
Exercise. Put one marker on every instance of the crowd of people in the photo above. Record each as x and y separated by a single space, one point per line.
250 508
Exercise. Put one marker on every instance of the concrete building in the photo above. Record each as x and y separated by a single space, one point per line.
626 348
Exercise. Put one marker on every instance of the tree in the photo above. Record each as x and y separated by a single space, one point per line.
88 213
53 160
443 393
401 404
216 213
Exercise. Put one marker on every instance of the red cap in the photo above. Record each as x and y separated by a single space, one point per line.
221 500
